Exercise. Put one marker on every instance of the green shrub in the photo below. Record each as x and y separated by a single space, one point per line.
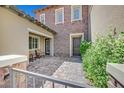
104 50
84 46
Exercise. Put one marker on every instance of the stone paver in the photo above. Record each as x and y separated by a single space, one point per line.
46 66
71 71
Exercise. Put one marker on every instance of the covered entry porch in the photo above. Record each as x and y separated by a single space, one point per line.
40 44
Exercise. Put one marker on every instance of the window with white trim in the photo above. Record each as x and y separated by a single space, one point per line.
59 15
76 12
34 42
42 18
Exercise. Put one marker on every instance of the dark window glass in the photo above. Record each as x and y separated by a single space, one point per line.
36 43
30 42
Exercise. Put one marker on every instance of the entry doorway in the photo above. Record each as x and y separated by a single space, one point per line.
76 46
47 46
75 40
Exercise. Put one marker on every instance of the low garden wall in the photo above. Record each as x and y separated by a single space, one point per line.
20 79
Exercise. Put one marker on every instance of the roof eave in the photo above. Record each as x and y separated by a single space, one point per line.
49 6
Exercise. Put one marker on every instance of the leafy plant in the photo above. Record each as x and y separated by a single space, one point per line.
105 50
84 46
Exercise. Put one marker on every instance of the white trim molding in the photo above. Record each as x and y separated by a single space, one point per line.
38 33
72 12
71 37
59 10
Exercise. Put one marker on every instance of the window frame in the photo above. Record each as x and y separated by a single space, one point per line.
33 43
43 14
72 13
56 10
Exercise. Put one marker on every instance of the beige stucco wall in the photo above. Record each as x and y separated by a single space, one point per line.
105 18
14 34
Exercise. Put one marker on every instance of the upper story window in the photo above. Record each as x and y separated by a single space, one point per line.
59 15
42 18
76 12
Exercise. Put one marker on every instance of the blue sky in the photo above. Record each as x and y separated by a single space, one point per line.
28 9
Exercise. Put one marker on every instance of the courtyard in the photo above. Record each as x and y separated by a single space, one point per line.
58 67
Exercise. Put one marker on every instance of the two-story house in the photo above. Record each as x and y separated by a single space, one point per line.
71 25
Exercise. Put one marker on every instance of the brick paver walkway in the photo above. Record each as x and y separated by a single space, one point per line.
46 66
69 70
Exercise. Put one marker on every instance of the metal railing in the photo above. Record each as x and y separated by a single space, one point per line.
53 80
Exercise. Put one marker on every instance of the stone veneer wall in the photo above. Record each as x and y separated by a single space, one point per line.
19 78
